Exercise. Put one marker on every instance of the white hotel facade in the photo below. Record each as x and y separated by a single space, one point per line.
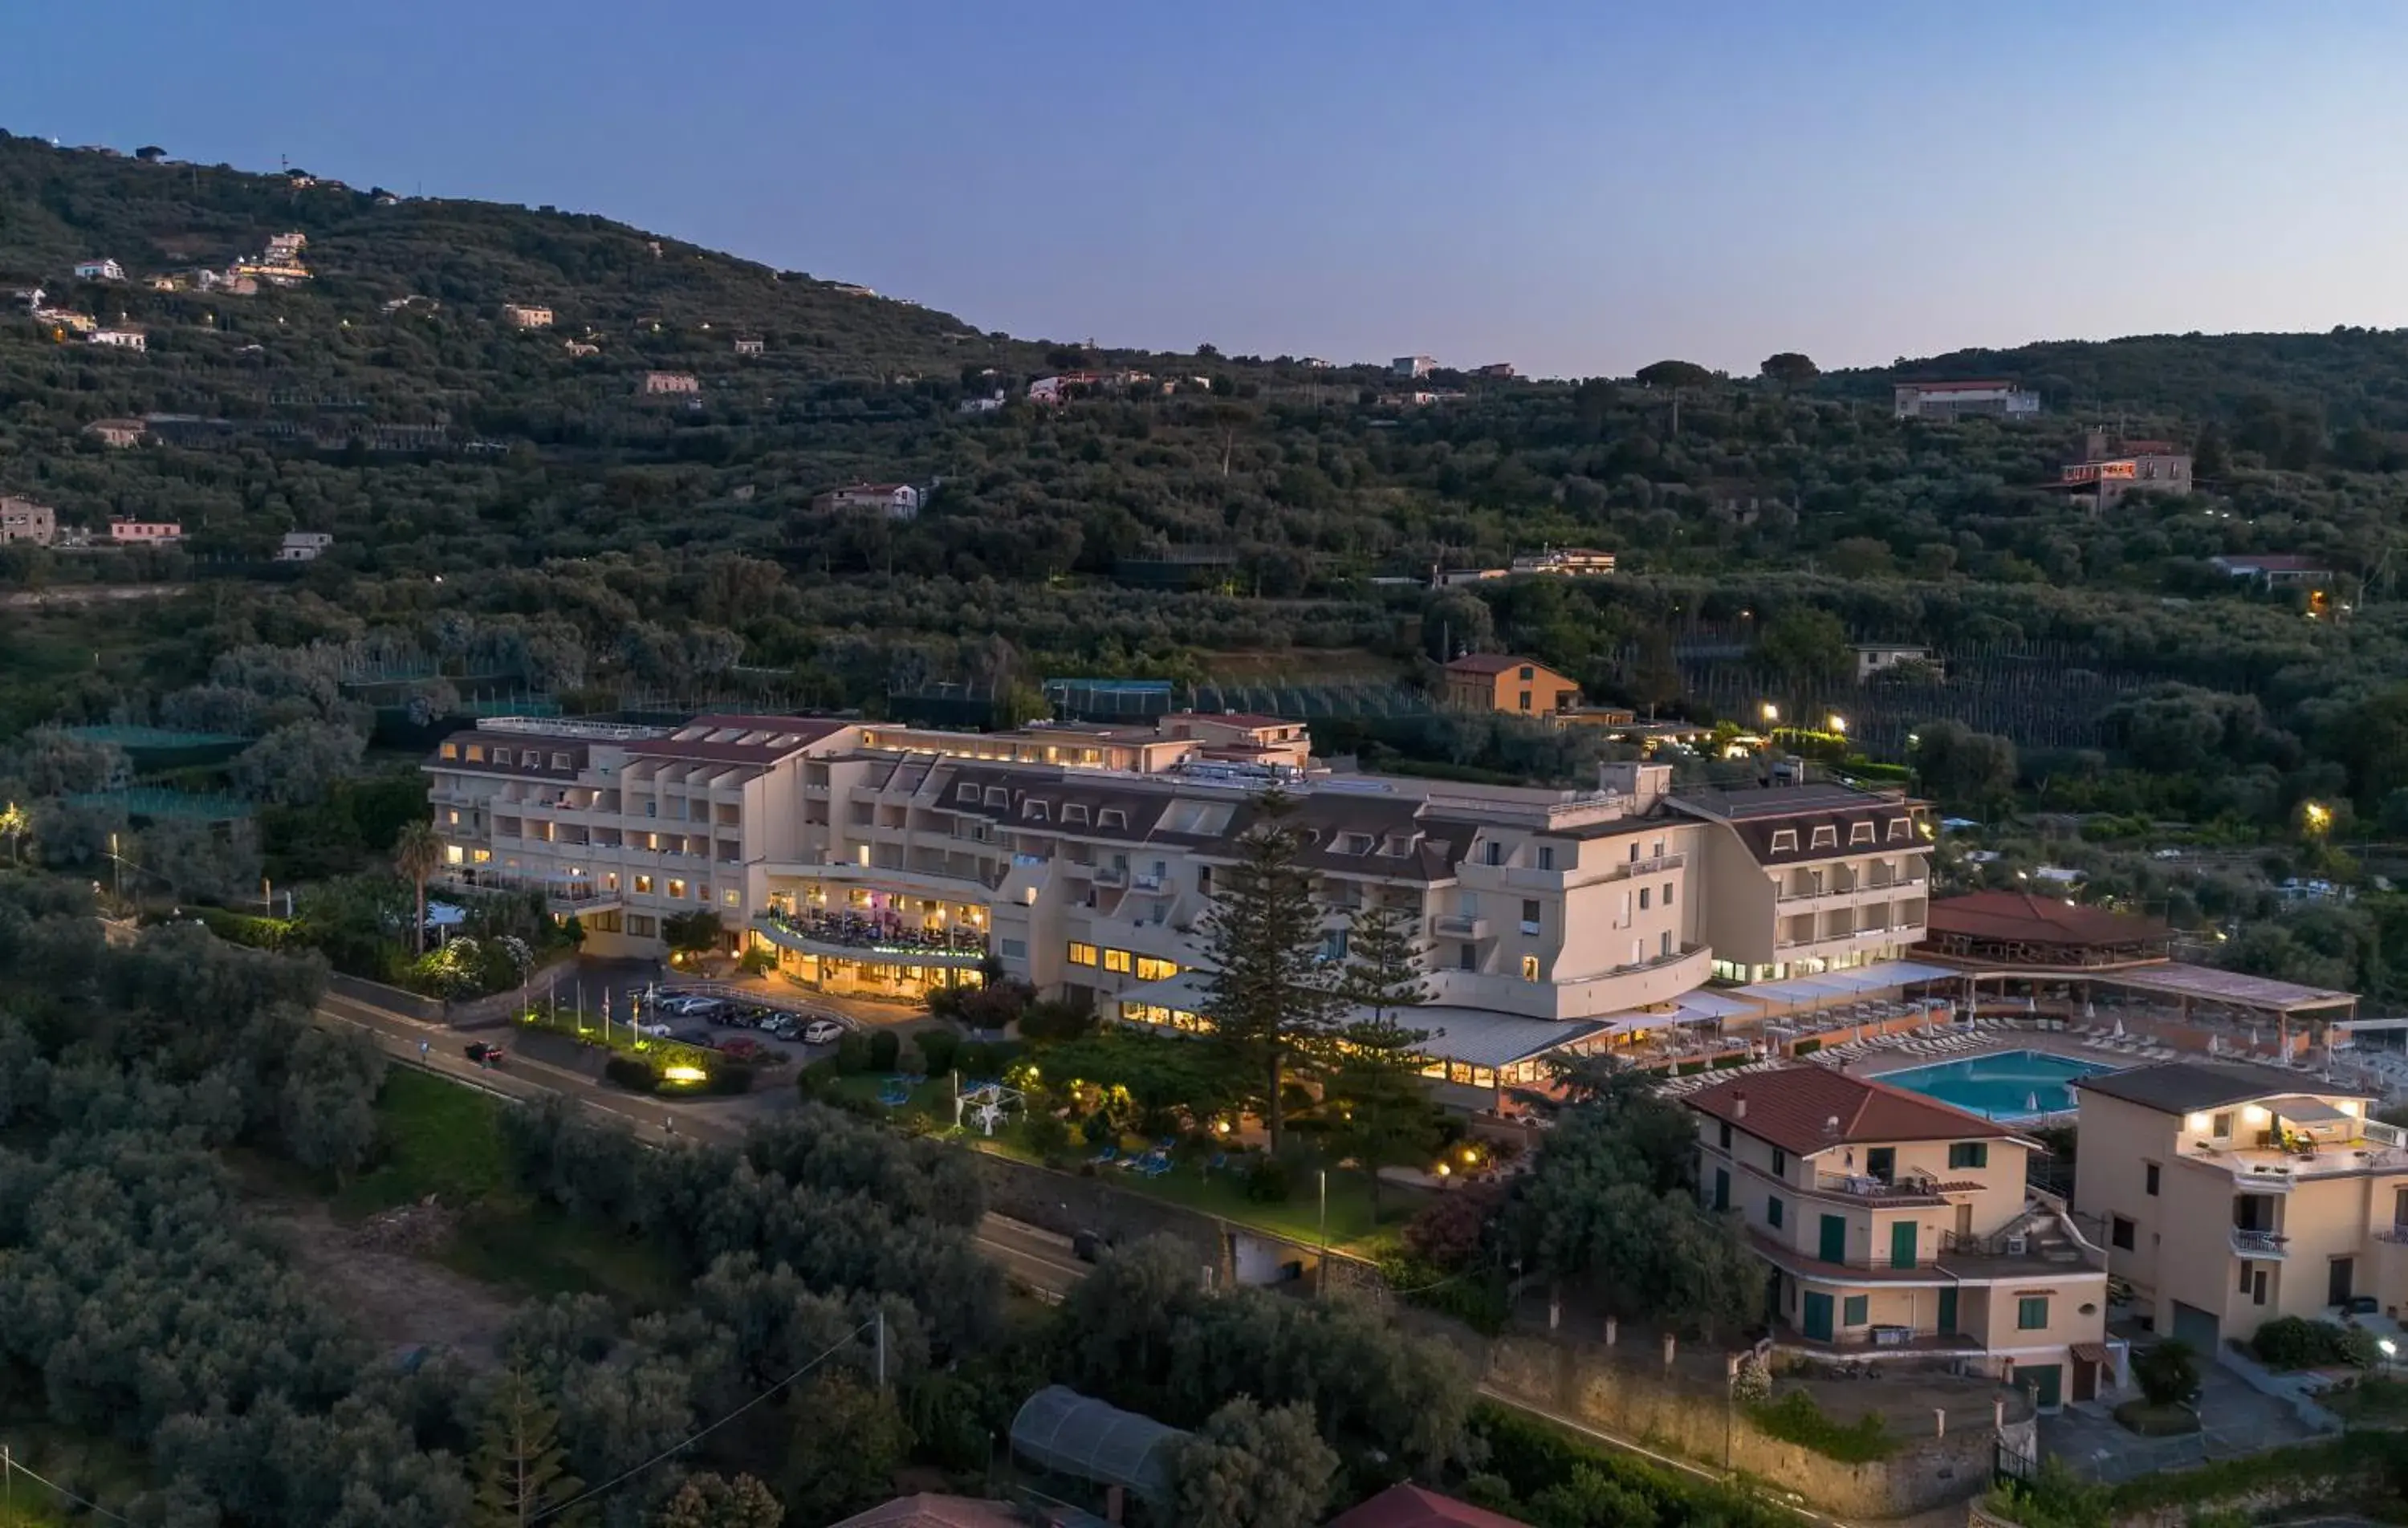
890 860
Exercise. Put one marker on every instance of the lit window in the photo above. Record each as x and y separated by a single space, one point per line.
1117 960
643 885
677 889
1529 968
1082 954
1151 969
731 897
480 856
453 854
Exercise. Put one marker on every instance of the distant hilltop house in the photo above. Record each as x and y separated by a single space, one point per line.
987 405
117 434
1412 366
303 545
749 345
2273 569
124 339
850 289
1495 681
1566 561
285 248
579 347
100 270
23 519
145 533
1985 398
519 316
895 501
1875 657
2107 470
662 384
1503 370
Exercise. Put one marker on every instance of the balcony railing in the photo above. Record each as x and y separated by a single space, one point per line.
1455 925
2396 1233
1866 1186
2258 1244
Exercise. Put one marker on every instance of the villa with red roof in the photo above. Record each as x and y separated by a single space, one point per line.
1891 1224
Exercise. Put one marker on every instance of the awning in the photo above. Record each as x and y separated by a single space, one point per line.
2302 1110
2090 1352
1474 1036
1837 986
2234 989
1183 993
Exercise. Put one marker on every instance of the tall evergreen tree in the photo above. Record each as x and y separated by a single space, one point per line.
1267 991
519 1467
1377 1109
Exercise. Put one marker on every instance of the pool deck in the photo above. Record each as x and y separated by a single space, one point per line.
2066 1044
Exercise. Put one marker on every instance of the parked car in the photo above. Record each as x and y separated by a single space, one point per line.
779 1026
657 1031
822 1031
692 1006
696 1035
484 1054
744 1047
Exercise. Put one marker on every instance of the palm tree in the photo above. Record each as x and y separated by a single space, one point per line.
415 854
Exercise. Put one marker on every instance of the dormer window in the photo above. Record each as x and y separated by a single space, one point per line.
1860 833
968 791
1900 828
1354 843
998 796
1073 811
1784 840
451 750
1034 811
1825 836
1111 816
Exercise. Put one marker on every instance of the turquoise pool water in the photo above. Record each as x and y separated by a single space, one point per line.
2011 1085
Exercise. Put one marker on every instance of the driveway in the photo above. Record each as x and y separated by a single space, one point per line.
2233 1420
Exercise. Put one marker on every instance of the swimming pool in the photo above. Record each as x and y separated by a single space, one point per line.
2011 1085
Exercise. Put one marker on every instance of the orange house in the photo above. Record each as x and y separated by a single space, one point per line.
1494 681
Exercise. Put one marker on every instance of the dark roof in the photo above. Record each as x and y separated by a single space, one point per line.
932 1511
1762 814
1778 800
2021 914
1794 1108
1491 663
1411 1507
760 740
2185 1087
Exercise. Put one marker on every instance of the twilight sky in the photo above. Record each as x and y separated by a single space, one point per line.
1577 186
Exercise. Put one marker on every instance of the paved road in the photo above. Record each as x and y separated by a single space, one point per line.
1034 1257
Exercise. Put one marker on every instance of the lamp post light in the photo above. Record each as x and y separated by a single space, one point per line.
1771 713
1838 723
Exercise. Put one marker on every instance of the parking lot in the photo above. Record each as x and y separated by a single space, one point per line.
697 1014
632 991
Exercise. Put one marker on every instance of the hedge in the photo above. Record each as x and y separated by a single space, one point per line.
633 1074
1796 1419
1533 1457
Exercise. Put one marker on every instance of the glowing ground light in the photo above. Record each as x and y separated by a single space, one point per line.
684 1074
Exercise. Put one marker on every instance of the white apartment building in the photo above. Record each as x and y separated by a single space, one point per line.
1961 400
890 861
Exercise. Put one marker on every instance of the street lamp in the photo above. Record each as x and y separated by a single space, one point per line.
1771 713
1838 723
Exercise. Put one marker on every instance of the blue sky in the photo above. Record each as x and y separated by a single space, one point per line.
1579 187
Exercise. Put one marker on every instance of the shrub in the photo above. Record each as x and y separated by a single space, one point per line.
1536 1459
1269 1180
2294 1342
1796 1419
1806 1047
1045 1132
1448 1232
885 1049
817 1080
853 1052
633 1074
937 1050
2167 1373
729 1077
757 962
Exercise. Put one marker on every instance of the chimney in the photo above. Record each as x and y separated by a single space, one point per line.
1739 1105
1831 1125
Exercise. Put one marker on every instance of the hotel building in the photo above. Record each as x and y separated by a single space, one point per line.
888 861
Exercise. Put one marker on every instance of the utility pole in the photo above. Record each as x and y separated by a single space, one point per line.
881 1348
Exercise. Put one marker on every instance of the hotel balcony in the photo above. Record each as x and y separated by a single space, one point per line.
1455 925
2259 1246
562 895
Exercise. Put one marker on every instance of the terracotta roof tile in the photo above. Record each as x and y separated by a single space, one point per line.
2020 915
1795 1107
1410 1507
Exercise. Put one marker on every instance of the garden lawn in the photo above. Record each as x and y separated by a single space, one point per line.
935 1096
438 1137
1224 1193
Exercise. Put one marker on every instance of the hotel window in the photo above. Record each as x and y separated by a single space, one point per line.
1722 1135
731 898
1774 1212
611 880
1645 897
643 885
1466 958
966 791
1668 893
2119 1234
455 855
1969 1153
1825 836
1151 969
1898 828
1780 1163
677 889
560 760
476 754
451 750
1117 960
1546 857
1015 949
1492 852
1784 841
1855 1310
1529 915
2031 1313
2221 1126
1860 833
2149 1178
1529 968
1082 954
480 856
640 925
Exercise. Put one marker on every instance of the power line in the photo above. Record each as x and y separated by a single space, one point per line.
680 1446
9 1465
